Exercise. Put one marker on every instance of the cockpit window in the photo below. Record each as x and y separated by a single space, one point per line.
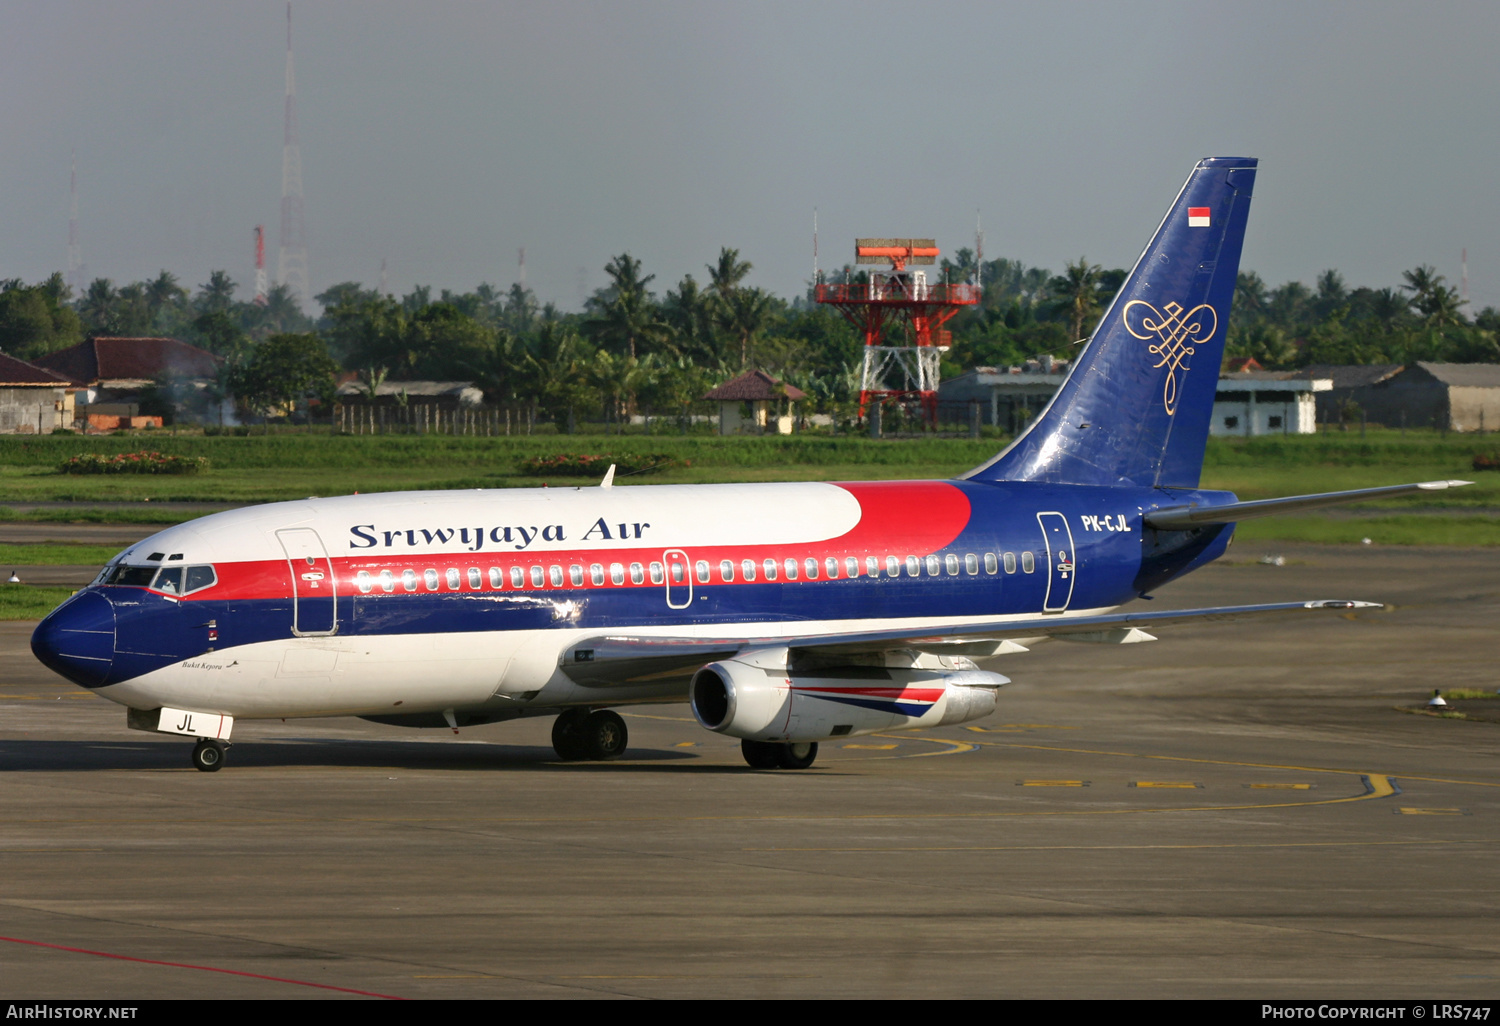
173 580
132 576
169 581
199 577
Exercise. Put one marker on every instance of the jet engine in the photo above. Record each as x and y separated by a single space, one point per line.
762 695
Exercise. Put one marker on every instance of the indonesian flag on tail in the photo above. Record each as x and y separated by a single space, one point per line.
1197 217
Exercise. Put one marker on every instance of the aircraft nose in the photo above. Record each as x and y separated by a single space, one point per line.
77 639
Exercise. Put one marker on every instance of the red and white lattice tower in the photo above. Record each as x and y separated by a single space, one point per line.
260 265
75 252
291 262
899 370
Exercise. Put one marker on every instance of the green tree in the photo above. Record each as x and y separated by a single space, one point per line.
36 320
283 372
627 319
1076 295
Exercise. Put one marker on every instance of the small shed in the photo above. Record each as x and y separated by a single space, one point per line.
1266 403
1447 396
769 401
33 400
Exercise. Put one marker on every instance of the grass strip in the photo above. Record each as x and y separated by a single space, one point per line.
56 554
24 602
1460 531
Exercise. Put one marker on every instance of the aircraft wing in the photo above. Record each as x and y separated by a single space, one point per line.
617 659
1185 518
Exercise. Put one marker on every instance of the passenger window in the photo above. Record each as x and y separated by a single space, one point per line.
934 565
575 575
679 572
831 567
476 579
362 581
453 579
637 574
517 577
702 568
409 580
657 574
950 563
726 570
791 568
554 574
810 568
991 564
430 578
851 566
1010 562
769 566
872 566
913 566
971 564
596 573
616 573
538 577
1028 562
497 578
387 581
747 567
199 577
169 580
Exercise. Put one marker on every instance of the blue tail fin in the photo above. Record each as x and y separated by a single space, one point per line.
1135 409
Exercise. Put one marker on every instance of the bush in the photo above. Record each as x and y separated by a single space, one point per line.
1487 462
133 463
574 464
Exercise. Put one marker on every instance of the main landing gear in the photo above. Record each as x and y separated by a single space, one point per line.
208 755
578 734
775 755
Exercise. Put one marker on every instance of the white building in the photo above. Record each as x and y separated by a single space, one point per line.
1266 403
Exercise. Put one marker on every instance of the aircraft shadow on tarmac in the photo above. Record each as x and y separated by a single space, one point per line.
26 755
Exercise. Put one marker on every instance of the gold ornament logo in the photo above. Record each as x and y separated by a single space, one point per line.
1174 336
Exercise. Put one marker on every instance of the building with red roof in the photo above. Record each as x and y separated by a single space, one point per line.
33 400
761 392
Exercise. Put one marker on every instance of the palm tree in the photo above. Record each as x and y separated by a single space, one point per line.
99 307
217 296
629 320
724 277
744 316
1076 292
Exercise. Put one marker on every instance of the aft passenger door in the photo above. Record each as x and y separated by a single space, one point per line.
314 588
679 579
1061 562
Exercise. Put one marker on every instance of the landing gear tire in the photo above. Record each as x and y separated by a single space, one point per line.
208 756
760 754
568 736
605 736
797 755
776 755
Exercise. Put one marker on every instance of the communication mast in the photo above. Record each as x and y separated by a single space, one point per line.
260 265
291 262
905 369
75 252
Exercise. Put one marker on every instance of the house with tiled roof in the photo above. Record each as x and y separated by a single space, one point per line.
115 370
33 400
769 401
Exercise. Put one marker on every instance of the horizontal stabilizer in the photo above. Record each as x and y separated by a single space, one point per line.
618 660
1185 518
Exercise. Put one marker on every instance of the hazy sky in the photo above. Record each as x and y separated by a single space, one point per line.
442 137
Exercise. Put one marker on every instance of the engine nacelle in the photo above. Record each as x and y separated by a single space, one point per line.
754 696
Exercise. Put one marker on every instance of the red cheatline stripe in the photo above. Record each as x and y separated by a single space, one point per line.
203 968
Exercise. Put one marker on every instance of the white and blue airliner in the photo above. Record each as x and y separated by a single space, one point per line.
785 614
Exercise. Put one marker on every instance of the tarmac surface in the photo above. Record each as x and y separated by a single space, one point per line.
1240 810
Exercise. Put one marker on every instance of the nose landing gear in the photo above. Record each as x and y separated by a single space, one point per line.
208 755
